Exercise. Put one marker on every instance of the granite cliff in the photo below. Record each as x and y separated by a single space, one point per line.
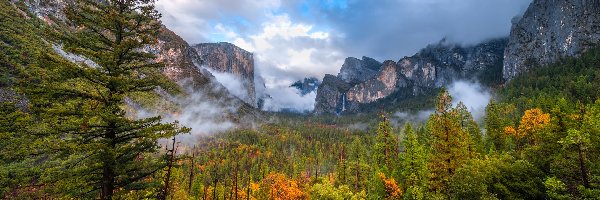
225 57
550 30
362 82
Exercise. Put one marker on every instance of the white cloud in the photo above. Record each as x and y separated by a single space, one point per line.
414 117
232 83
205 116
473 95
284 53
290 99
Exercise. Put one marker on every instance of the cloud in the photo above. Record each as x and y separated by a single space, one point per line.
417 117
473 95
204 115
232 83
391 29
289 99
286 52
196 20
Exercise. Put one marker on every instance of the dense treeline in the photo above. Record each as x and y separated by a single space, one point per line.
65 132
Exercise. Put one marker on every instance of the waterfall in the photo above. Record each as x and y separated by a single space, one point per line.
343 102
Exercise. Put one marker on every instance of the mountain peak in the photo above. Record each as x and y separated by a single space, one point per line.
355 70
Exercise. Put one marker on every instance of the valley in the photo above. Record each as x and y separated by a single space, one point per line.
102 100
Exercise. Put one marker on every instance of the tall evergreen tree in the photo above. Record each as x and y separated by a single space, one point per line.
105 150
386 145
469 126
450 143
413 165
497 117
358 170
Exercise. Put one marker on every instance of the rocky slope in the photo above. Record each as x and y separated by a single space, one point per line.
550 30
359 84
225 57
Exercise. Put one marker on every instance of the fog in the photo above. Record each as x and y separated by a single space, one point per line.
472 94
419 116
234 84
204 115
289 99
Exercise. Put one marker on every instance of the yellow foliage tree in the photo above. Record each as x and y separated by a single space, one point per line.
533 120
392 190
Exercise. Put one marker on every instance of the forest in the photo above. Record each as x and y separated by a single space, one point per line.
65 132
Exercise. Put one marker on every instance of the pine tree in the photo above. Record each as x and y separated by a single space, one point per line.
469 126
105 150
358 170
580 139
450 143
386 145
496 119
17 150
413 165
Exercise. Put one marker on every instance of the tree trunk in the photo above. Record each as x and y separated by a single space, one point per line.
108 173
236 179
215 188
204 193
108 179
192 167
582 167
165 191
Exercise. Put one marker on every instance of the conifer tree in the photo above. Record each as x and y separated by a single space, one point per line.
450 144
413 165
386 145
358 169
496 119
105 151
469 126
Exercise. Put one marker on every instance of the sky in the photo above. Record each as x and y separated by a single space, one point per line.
293 39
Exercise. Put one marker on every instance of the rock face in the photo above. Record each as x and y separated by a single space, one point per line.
307 85
355 70
387 81
366 81
331 95
180 60
550 30
227 58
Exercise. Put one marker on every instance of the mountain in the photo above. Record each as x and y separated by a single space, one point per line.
366 81
550 30
227 58
307 85
180 61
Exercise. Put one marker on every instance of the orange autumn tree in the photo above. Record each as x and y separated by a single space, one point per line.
277 186
392 191
532 121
